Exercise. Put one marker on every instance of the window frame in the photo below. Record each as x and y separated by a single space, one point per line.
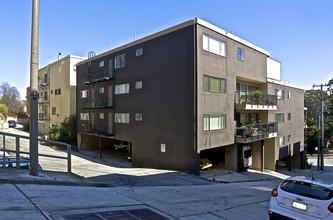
120 61
84 94
84 116
54 110
138 85
119 90
240 54
138 116
279 97
101 115
208 87
101 63
207 122
283 143
122 118
277 115
139 52
207 46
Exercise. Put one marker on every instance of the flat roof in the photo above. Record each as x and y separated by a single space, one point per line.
63 58
178 27
229 35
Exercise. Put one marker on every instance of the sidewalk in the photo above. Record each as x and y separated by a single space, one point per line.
22 176
227 176
58 195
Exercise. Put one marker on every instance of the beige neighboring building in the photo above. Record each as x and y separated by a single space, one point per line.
57 92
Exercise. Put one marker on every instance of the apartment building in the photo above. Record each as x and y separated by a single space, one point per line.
190 92
57 92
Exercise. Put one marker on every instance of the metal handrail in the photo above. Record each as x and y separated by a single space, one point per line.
18 152
98 103
253 98
257 129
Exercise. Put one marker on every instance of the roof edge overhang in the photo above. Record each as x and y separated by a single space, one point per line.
178 27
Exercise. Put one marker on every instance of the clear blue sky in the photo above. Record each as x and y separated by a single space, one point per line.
297 33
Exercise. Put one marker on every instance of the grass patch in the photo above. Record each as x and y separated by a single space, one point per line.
58 147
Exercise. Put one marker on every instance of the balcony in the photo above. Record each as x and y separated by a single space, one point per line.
94 130
43 117
43 82
98 104
256 132
99 76
43 100
253 101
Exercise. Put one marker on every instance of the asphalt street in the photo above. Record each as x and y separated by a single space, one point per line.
163 194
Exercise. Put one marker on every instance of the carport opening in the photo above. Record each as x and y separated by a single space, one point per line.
214 157
114 151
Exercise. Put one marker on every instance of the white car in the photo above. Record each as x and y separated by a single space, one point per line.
302 198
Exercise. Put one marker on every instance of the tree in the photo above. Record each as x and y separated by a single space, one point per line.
3 110
313 104
11 98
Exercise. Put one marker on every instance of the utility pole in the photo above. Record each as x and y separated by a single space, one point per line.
34 89
321 147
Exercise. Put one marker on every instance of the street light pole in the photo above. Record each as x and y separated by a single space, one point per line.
322 128
34 89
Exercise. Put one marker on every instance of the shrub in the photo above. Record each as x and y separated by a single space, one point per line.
69 126
26 126
54 133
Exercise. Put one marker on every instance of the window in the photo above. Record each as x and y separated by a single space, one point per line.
57 91
289 138
281 141
253 118
288 94
138 85
279 117
306 189
84 94
119 61
212 84
139 52
101 90
101 115
46 78
84 116
289 116
101 64
214 122
121 89
51 92
138 116
213 45
279 93
45 96
54 110
122 118
241 54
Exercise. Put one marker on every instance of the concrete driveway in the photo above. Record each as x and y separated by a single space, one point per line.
112 171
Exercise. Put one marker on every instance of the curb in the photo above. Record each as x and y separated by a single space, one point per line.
53 182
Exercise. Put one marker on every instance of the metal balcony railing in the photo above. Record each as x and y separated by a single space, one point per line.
99 76
255 99
43 117
43 82
98 103
254 132
43 100
93 129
